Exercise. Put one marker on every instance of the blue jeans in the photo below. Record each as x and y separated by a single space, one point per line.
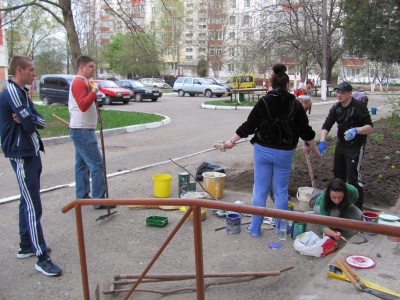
270 165
87 159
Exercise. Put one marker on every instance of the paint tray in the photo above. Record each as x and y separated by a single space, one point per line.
156 221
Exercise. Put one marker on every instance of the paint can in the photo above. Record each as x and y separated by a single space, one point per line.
233 222
298 228
192 186
369 216
183 183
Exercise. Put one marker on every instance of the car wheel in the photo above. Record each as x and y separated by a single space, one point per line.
181 93
138 97
192 95
45 100
219 95
125 101
208 93
154 99
108 100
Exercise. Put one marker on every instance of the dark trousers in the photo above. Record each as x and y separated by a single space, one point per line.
28 170
347 166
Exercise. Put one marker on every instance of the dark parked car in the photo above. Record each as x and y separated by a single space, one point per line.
229 88
54 88
140 90
170 79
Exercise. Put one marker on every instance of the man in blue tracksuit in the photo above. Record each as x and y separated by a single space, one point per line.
21 143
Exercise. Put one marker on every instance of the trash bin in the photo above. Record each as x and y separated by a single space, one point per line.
241 97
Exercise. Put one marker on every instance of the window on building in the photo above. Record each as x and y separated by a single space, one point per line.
152 25
171 50
217 35
218 50
105 35
212 50
202 35
232 20
246 3
231 35
202 50
202 26
231 52
233 3
231 67
246 20
188 57
189 49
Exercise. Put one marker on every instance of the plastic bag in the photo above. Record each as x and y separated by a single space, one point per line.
314 195
207 166
308 243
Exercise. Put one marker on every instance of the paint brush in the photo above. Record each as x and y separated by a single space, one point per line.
344 239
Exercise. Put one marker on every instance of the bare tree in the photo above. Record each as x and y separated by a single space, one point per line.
60 10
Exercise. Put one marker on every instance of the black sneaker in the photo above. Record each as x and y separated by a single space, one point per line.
28 252
47 267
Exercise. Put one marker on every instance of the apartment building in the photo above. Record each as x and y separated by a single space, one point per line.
224 33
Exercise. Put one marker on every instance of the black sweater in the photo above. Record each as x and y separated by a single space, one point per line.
277 121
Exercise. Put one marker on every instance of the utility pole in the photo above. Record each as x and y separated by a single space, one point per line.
324 51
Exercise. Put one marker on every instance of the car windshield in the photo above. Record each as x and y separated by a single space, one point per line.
108 84
217 80
137 84
206 81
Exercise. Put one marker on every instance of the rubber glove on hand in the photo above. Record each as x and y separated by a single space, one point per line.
350 134
322 147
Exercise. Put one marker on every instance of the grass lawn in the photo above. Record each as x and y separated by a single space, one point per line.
110 119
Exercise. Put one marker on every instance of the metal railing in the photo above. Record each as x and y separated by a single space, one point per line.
195 206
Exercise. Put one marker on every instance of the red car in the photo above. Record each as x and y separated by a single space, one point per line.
113 92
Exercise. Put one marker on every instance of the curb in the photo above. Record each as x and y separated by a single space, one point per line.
110 132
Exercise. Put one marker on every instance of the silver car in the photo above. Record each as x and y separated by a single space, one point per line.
154 82
196 86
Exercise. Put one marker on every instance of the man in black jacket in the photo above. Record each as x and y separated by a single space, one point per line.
354 123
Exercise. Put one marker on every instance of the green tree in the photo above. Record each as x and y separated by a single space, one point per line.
133 55
371 29
50 58
202 68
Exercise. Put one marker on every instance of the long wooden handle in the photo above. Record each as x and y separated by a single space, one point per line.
342 266
310 170
351 271
60 119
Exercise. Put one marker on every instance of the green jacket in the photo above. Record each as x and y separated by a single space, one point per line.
352 194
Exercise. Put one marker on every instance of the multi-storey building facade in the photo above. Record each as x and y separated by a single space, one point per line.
224 33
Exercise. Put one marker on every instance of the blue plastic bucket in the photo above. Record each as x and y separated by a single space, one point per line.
373 110
233 222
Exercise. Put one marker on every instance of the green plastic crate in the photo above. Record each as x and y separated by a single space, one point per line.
156 221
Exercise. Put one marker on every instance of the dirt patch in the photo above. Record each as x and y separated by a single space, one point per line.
379 168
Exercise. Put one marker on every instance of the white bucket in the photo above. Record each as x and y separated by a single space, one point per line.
304 196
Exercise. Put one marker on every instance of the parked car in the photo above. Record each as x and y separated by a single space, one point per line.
170 79
140 90
154 82
54 88
216 81
196 86
113 92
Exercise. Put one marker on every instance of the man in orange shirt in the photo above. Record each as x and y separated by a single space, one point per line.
83 121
